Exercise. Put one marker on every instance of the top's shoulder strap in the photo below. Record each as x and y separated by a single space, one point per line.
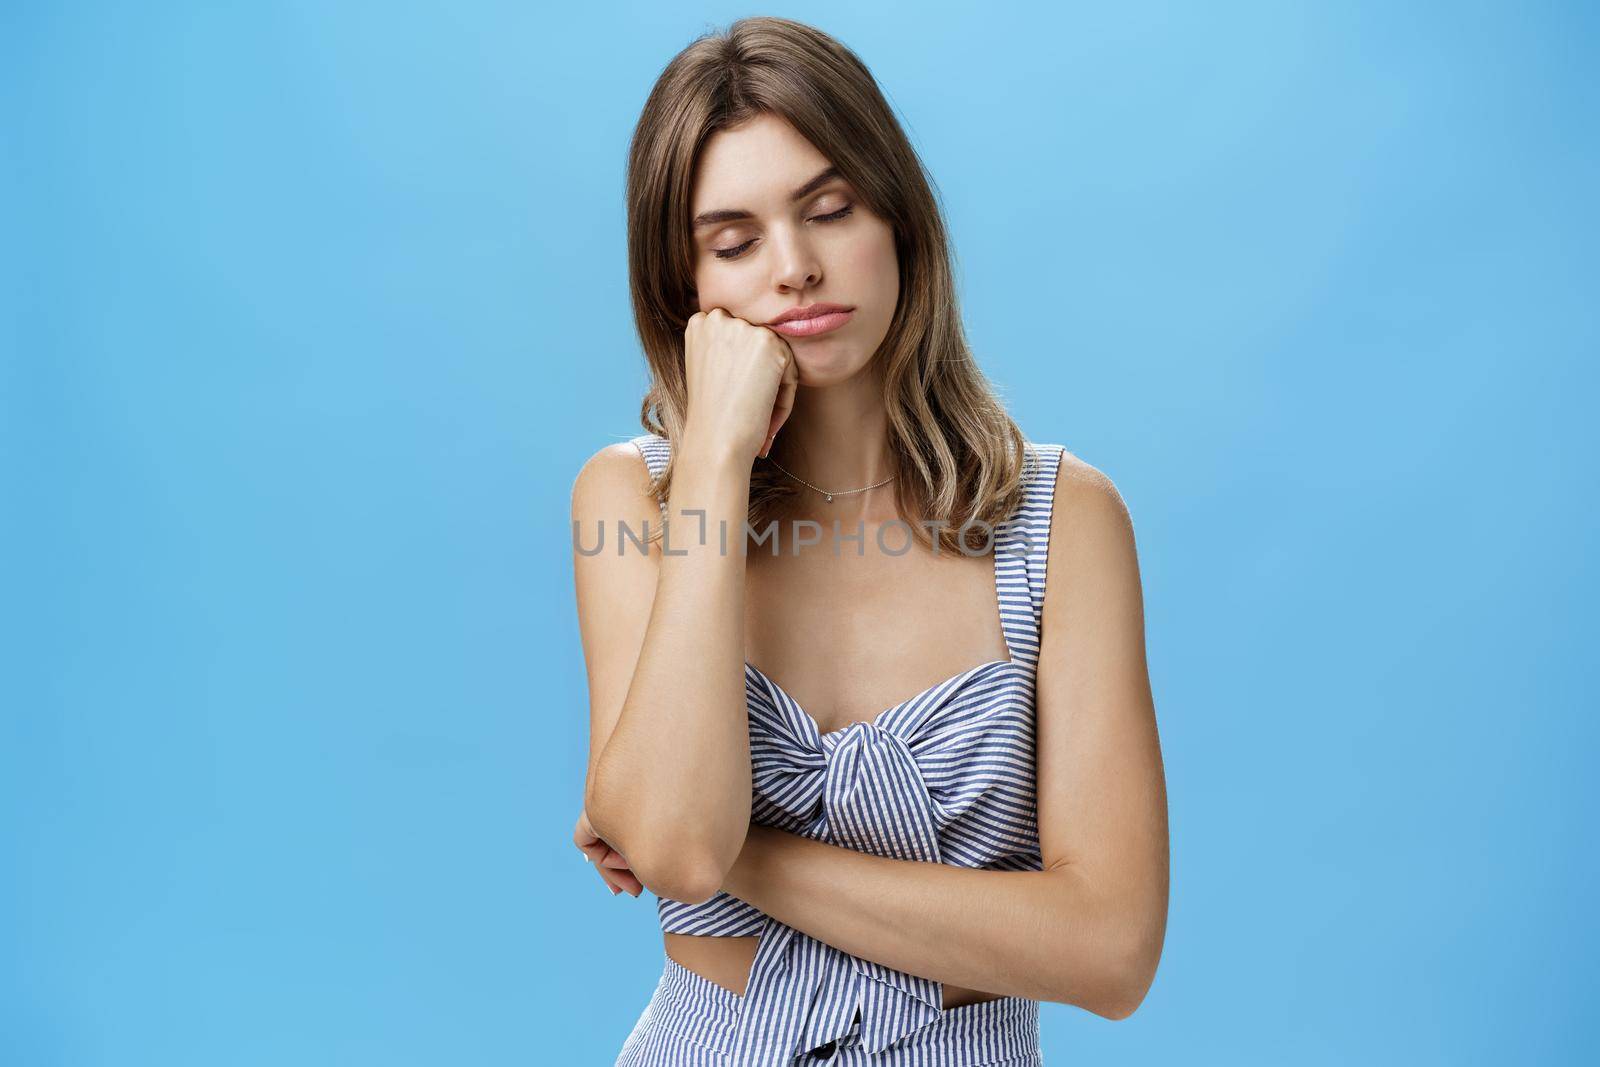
656 452
1023 542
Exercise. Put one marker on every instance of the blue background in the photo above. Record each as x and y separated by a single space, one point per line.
312 313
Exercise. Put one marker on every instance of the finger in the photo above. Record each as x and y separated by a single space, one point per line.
628 881
621 876
620 881
783 404
781 411
616 867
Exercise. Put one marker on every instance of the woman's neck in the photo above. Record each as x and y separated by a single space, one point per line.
837 437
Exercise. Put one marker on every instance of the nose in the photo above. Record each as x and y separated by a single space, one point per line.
796 263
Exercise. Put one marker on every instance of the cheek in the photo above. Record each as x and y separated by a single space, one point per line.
872 264
720 289
871 272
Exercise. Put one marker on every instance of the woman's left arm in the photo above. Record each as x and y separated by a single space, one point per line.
1088 929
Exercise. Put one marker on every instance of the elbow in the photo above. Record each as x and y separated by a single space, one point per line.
688 876
1105 959
1113 980
665 863
1129 978
1124 1003
664 851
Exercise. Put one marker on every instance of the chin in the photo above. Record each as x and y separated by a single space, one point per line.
823 364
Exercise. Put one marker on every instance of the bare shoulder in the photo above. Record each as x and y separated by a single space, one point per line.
1091 529
1086 496
617 473
613 488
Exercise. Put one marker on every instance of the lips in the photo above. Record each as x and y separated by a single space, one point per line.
811 320
808 311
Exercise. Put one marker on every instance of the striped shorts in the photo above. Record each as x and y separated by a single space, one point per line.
690 1022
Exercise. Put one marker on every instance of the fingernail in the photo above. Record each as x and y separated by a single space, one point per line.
615 890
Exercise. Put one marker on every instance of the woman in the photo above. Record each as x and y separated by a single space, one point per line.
938 800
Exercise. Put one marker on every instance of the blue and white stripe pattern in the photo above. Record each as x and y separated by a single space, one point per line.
945 776
691 1021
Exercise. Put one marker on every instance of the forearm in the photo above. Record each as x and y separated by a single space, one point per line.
671 790
1036 934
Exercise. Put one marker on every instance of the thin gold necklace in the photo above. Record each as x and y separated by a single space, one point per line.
825 494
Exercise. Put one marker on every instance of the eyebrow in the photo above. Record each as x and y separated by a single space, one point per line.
708 218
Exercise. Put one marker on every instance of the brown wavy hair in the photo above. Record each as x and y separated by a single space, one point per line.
959 456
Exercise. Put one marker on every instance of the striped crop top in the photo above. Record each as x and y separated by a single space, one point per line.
945 776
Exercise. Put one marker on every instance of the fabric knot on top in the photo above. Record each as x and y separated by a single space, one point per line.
863 785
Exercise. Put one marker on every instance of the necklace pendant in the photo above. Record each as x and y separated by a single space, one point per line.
828 497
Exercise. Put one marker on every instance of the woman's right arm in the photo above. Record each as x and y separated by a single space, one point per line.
663 634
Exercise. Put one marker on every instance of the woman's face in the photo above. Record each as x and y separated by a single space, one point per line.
759 250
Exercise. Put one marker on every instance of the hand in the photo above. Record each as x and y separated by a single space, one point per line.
611 864
741 381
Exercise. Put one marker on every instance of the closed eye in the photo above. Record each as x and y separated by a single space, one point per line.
739 250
